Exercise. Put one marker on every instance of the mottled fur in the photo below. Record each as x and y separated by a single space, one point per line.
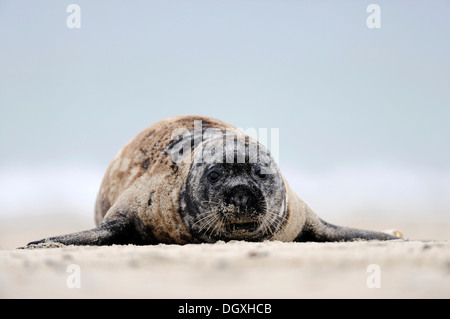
139 198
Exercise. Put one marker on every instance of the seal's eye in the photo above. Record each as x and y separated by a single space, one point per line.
214 175
261 172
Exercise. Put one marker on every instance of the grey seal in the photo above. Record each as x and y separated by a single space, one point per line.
194 179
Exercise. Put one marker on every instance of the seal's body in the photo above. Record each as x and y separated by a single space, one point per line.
192 179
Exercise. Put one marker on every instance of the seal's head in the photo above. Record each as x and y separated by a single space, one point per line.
234 191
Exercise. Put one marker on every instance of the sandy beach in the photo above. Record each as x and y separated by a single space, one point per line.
406 269
350 100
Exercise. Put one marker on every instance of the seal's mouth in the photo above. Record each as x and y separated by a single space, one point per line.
241 227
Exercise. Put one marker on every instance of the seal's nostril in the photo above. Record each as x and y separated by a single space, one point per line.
240 198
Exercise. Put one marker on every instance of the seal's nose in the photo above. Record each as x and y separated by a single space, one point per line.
240 197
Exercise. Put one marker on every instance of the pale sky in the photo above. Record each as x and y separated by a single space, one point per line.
352 104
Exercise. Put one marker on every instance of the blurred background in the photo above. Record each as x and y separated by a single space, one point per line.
363 114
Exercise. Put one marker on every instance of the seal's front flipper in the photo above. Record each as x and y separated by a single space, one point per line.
117 231
315 229
323 232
